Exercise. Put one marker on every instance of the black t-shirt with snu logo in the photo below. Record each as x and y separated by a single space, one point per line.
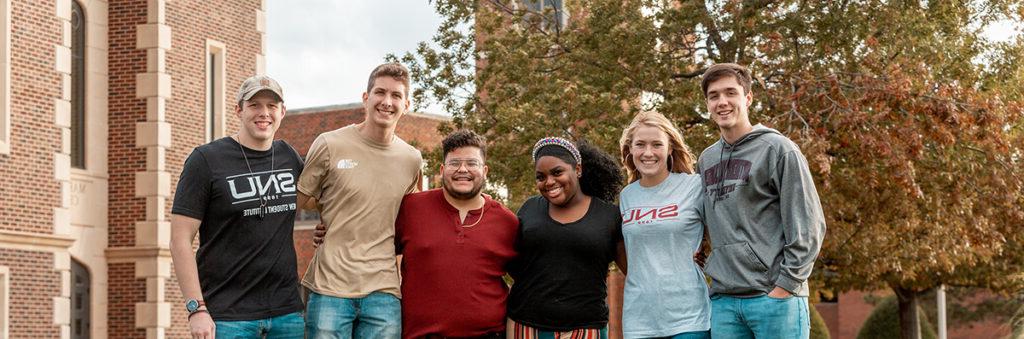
246 264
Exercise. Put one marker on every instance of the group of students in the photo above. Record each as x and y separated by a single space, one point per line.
751 193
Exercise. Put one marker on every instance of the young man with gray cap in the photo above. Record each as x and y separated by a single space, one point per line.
238 194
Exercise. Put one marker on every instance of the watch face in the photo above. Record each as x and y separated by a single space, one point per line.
191 305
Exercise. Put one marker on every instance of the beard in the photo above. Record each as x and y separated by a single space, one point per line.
473 193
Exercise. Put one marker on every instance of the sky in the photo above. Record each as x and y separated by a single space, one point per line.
322 51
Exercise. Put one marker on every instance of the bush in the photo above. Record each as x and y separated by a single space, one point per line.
1018 324
819 330
884 323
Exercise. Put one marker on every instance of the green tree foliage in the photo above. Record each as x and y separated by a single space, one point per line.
909 117
883 322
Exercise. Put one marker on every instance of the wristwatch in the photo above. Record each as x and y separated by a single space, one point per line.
193 305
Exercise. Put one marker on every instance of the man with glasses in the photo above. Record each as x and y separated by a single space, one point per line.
455 243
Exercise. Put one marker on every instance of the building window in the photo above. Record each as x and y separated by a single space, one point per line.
214 90
77 86
81 301
553 12
5 301
5 77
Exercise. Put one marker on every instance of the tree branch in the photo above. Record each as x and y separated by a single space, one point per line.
689 75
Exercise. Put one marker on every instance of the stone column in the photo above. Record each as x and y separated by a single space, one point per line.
152 235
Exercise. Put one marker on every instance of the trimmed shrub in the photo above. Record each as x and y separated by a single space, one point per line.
884 322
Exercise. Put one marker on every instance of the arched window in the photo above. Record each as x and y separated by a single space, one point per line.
77 85
81 296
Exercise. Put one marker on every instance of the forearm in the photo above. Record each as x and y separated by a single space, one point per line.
184 259
803 221
803 237
305 202
620 257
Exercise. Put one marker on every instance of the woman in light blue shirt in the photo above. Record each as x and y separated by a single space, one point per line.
666 295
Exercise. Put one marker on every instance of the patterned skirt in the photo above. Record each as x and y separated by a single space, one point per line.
516 330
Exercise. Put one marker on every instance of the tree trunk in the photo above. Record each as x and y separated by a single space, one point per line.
910 325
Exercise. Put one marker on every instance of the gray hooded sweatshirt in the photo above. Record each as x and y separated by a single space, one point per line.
763 215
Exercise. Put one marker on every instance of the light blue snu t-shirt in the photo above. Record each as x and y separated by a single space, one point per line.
666 293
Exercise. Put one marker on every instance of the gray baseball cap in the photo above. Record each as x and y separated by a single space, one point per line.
255 84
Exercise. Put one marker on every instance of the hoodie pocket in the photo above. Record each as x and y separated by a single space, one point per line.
735 269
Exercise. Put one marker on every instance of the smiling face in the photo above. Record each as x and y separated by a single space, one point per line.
728 103
649 152
386 102
260 117
463 173
557 180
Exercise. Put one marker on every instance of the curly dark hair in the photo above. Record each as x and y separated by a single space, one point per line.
602 177
463 138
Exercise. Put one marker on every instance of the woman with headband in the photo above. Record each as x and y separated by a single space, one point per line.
666 294
568 236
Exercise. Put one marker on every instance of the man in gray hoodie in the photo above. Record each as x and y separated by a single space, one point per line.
763 217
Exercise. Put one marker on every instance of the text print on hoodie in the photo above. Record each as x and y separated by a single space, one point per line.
763 215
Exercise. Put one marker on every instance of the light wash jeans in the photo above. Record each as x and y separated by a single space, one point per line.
760 317
377 315
288 326
692 335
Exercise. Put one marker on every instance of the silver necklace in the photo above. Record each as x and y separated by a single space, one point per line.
263 199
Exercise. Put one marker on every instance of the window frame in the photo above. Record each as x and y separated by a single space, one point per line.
5 299
557 16
79 49
215 104
5 76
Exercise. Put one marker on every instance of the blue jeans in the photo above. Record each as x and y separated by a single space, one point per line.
760 317
692 335
288 326
377 315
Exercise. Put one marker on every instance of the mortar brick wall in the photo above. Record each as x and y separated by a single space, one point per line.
29 192
34 283
124 110
301 126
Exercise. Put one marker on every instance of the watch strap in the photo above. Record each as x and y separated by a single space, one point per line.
197 311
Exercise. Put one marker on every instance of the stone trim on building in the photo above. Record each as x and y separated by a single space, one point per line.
215 88
90 185
62 170
152 235
261 29
5 77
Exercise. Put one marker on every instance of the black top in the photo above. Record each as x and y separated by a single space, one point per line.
246 264
561 268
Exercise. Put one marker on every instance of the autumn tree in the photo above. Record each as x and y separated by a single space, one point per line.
909 116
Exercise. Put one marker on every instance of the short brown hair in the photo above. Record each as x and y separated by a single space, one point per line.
463 138
718 71
391 69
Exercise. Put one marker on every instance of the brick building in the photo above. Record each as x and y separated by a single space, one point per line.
100 103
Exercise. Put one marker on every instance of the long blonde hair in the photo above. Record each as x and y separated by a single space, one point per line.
682 159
